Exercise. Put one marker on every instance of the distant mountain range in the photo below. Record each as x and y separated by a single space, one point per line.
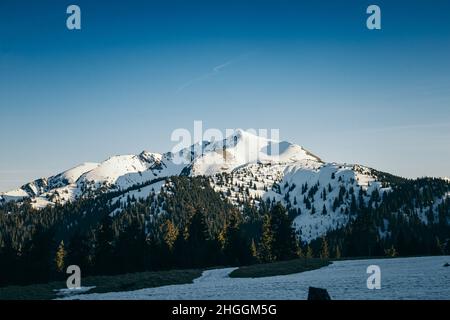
243 168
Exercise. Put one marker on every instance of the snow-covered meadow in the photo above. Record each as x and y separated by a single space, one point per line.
401 278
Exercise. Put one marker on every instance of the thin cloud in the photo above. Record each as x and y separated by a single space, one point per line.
224 65
215 70
409 127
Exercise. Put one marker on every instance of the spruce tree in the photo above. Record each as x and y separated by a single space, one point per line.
8 265
37 256
60 257
284 240
79 252
237 250
309 253
170 234
391 252
324 252
300 253
197 237
129 249
104 247
254 251
338 252
265 250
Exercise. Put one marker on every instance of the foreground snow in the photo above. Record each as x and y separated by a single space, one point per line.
401 278
74 291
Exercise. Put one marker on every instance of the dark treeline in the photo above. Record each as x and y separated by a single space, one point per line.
189 225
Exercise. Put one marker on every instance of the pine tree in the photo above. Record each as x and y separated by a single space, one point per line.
309 253
253 250
79 252
353 207
300 253
438 247
265 250
36 256
338 252
8 265
233 243
284 244
325 252
170 234
60 257
197 239
391 252
221 237
104 247
129 249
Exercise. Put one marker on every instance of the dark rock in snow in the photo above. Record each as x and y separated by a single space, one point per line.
318 294
447 264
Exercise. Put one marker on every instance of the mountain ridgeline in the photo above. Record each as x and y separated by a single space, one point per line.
225 205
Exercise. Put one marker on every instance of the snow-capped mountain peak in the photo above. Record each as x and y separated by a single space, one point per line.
243 148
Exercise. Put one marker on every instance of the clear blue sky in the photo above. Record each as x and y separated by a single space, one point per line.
140 69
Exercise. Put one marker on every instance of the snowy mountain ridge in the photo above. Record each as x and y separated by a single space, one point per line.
124 171
243 168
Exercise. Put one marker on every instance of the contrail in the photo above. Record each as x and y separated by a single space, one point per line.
213 72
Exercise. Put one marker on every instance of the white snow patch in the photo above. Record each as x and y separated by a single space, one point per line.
403 278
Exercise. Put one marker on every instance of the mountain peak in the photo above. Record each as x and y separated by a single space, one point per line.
240 133
245 147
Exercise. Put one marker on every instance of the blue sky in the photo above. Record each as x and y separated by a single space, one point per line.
140 69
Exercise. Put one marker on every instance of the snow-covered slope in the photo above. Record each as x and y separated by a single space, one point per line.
307 187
